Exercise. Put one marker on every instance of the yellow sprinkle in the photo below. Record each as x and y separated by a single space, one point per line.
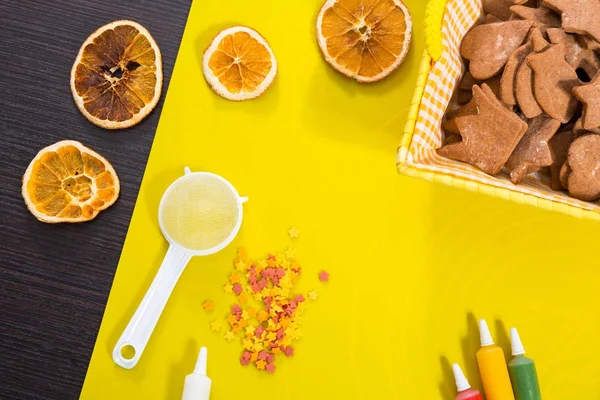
290 253
229 336
245 314
228 288
313 295
243 297
241 265
293 232
249 331
208 305
248 344
261 364
215 326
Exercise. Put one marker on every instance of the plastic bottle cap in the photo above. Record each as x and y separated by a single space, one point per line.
462 383
484 334
515 342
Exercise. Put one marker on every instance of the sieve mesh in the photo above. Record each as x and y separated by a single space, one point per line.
200 212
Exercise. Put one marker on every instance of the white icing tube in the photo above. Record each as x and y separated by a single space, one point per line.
197 384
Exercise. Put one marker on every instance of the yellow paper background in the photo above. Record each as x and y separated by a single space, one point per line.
412 264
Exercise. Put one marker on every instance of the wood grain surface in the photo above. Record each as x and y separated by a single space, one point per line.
55 279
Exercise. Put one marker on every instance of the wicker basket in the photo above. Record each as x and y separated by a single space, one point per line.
441 69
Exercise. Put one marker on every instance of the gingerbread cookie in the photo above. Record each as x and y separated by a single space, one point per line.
553 82
489 137
578 55
578 128
584 161
533 151
491 18
542 17
500 8
488 47
470 108
509 77
565 172
559 149
578 16
589 95
524 80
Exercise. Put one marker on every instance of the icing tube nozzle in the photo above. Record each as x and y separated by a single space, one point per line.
197 385
515 342
462 383
484 334
201 362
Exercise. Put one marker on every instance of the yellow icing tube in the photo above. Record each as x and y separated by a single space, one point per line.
492 367
434 15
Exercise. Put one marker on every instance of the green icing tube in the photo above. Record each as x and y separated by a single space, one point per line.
522 371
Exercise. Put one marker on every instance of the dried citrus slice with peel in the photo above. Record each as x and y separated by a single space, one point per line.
67 182
239 64
116 79
364 39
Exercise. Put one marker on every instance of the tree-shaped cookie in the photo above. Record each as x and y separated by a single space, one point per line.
553 82
489 137
589 95
488 46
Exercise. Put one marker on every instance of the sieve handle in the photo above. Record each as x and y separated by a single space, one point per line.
144 320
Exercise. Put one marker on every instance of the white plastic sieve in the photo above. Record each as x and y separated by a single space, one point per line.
199 214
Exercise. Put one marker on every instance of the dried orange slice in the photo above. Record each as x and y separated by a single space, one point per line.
239 64
67 182
117 77
364 39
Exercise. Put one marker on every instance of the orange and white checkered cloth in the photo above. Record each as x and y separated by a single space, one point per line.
444 75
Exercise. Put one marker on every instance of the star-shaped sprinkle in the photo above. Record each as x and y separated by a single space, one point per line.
228 288
208 305
243 298
270 368
260 364
241 265
293 232
248 344
272 336
252 312
245 315
232 319
215 326
257 347
323 276
229 336
249 331
290 253
234 278
589 94
313 295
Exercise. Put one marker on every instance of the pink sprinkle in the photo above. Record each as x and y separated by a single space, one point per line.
273 345
300 298
263 283
256 287
236 309
323 276
280 334
268 299
270 358
244 361
237 289
270 368
288 351
259 331
252 278
264 273
293 303
252 268
270 272
280 272
275 280
262 355
247 354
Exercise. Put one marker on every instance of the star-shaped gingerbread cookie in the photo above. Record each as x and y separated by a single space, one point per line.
489 137
533 151
589 95
578 16
542 17
578 55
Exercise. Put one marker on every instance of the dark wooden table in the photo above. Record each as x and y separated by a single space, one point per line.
55 279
